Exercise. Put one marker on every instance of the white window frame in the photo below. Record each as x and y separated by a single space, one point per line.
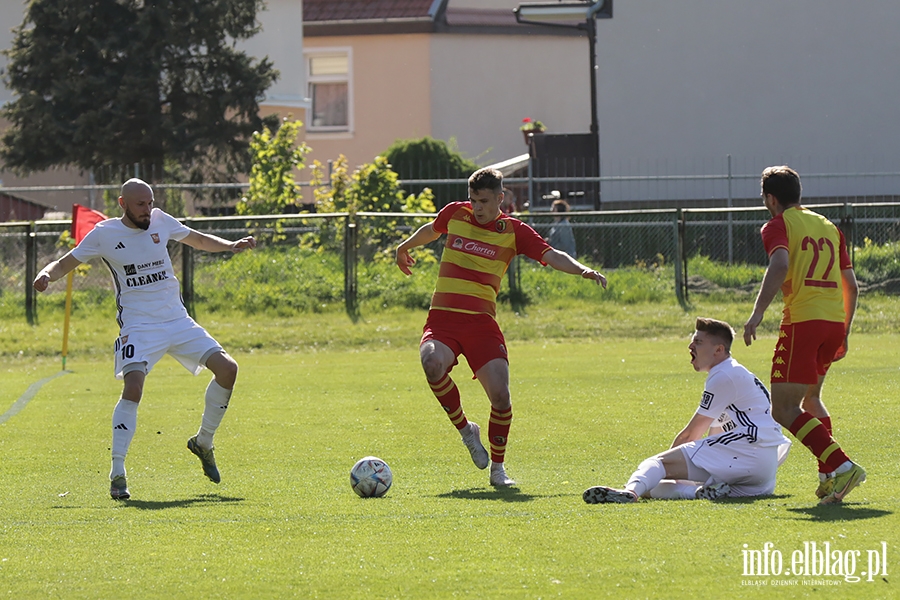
308 54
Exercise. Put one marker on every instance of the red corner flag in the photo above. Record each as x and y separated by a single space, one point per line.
83 220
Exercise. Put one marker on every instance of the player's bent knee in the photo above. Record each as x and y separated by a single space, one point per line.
224 368
783 415
433 368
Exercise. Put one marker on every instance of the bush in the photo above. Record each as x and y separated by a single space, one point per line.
275 281
286 281
723 274
875 263
428 158
373 187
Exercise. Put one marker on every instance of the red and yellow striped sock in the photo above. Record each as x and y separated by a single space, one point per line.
498 431
447 393
810 432
826 421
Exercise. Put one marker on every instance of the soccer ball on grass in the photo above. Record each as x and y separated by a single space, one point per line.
370 477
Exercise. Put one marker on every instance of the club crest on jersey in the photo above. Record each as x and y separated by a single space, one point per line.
707 399
501 225
154 237
457 244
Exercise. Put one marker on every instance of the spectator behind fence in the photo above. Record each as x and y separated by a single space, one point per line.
560 235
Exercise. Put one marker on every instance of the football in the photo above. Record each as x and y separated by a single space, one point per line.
370 477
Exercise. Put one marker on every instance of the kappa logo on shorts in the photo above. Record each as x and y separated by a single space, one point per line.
707 399
154 237
503 349
130 270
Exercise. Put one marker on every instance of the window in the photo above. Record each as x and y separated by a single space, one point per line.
329 89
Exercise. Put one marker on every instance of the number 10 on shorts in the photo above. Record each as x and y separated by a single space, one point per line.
126 348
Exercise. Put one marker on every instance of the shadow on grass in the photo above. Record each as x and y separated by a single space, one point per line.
749 499
837 512
164 504
510 494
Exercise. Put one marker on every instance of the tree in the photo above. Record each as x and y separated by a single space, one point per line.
428 158
273 189
373 187
155 82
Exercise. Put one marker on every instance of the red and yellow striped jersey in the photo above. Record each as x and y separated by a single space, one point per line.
817 253
476 256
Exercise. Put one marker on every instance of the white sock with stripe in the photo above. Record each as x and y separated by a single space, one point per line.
124 422
648 475
217 399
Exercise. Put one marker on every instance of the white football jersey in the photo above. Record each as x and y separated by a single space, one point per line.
740 404
146 288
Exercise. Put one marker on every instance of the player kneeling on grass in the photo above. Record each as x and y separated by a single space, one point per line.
481 242
152 318
744 447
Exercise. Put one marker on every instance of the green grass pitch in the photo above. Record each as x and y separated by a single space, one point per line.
285 523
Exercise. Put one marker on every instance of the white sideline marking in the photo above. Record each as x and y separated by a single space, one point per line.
30 393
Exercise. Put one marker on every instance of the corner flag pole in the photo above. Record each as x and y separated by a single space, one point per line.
83 220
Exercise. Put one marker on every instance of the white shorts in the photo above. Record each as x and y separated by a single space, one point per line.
140 347
747 468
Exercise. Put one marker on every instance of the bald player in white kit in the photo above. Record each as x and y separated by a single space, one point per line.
152 318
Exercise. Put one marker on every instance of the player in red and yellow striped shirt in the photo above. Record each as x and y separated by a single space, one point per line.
808 261
481 242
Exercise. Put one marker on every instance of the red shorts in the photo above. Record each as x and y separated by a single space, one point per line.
805 351
477 337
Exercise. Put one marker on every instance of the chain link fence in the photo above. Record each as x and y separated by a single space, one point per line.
310 262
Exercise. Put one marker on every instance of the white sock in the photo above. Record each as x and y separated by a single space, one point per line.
848 464
217 399
669 489
648 475
124 422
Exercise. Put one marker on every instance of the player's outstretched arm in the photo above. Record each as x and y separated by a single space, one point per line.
54 271
213 243
423 235
775 275
565 263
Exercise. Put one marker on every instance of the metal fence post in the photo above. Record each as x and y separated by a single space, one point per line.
350 258
730 217
514 276
847 228
30 273
530 180
680 261
187 275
